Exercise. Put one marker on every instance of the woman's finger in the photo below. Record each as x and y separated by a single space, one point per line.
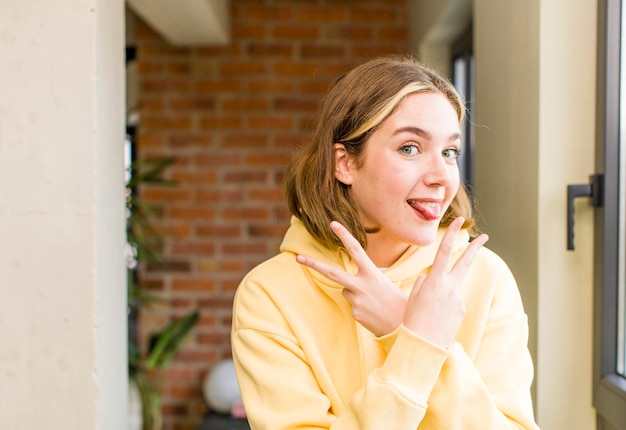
462 265
353 247
446 247
331 272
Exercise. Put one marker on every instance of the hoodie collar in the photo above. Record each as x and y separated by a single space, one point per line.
415 260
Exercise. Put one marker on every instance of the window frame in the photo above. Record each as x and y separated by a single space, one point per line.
463 49
609 388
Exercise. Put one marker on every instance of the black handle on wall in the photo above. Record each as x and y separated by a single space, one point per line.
593 189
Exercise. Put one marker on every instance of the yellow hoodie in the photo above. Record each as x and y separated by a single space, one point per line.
303 362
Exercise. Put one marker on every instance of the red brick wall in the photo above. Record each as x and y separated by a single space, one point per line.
233 116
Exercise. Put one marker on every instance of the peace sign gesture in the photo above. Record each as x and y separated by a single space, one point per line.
376 302
433 310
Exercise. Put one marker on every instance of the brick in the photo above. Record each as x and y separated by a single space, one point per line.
295 104
162 194
216 123
264 13
216 160
295 32
193 285
147 68
243 31
189 177
235 266
151 104
169 266
270 86
217 86
321 15
165 85
247 176
173 230
296 69
150 140
270 123
197 355
239 68
179 68
230 285
248 248
245 213
190 140
192 248
266 159
245 140
191 213
218 231
244 104
352 33
215 303
213 338
289 141
372 50
267 195
270 50
165 123
222 195
231 50
322 51
393 33
369 15
192 103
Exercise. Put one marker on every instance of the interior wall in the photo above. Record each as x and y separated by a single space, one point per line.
506 43
566 156
535 65
435 27
63 361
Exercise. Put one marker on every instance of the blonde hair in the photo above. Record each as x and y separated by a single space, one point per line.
357 103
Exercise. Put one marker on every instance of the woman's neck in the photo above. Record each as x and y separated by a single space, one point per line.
384 253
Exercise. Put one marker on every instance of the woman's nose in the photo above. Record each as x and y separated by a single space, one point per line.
438 170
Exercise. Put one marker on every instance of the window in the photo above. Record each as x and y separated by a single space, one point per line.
610 221
463 80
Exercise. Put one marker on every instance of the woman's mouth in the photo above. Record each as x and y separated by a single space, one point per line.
428 210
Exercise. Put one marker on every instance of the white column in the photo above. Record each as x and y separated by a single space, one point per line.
62 279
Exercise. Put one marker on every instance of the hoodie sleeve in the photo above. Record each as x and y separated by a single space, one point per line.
491 388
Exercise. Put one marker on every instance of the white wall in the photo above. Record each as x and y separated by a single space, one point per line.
62 277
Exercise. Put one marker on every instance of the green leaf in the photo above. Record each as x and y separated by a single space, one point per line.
165 344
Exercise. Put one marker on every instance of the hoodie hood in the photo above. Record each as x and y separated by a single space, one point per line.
415 260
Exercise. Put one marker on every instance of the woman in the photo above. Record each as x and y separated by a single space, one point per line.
380 312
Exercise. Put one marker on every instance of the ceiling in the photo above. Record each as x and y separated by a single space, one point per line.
186 22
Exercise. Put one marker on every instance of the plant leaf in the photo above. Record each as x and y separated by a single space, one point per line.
165 344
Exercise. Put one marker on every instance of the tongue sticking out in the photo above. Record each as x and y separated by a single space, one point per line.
430 211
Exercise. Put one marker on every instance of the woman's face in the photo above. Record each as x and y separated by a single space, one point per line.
408 177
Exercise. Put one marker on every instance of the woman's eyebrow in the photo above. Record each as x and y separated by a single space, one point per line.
423 133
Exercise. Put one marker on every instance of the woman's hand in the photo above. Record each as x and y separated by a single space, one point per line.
376 302
435 309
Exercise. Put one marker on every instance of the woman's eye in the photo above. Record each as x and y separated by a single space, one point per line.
409 149
451 153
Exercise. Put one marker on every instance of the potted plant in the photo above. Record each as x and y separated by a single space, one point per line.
144 244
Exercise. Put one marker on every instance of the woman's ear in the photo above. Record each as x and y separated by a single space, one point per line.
343 164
